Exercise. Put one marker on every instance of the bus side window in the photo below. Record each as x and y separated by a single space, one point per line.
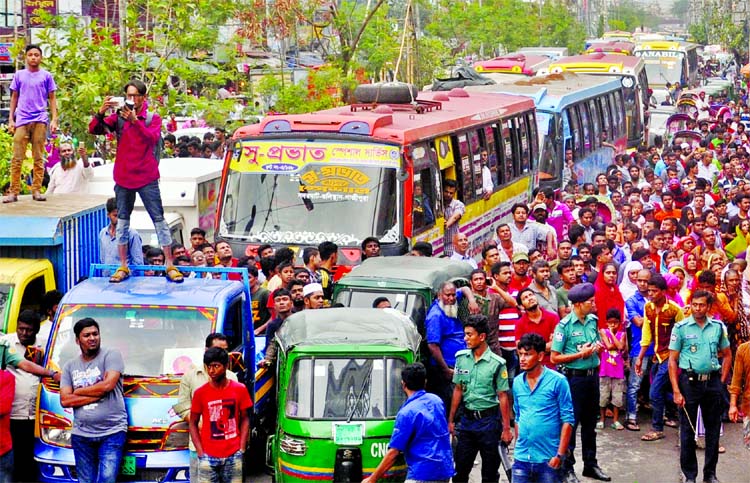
585 127
525 159
437 183
463 171
596 125
233 326
491 145
575 127
533 140
508 142
606 119
477 162
620 110
423 211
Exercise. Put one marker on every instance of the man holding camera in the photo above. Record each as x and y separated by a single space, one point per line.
136 169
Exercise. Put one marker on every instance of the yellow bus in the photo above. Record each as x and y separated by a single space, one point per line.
669 61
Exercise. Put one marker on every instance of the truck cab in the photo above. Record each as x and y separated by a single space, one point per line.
159 327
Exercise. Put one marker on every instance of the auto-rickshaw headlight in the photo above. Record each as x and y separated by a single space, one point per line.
55 429
177 437
294 447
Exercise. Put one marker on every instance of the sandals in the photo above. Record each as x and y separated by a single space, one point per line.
122 273
600 425
722 449
174 275
617 425
631 425
37 196
671 423
10 199
653 436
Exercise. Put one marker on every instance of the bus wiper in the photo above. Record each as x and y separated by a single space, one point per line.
309 206
251 221
270 201
358 401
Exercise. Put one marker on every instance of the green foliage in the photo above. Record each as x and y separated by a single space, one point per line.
627 15
717 27
504 26
320 91
600 27
6 153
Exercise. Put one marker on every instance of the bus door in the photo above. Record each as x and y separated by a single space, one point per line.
427 194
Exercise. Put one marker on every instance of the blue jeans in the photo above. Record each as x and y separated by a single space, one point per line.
660 387
220 470
98 459
151 198
634 385
6 467
524 472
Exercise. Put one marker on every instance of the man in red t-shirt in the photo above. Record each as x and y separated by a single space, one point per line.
537 320
220 406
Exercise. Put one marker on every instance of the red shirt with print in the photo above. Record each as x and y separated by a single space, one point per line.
221 413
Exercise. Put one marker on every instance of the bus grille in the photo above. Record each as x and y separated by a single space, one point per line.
146 439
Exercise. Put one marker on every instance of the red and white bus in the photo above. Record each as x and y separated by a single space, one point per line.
348 173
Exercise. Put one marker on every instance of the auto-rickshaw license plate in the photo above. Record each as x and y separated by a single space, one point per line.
128 466
348 433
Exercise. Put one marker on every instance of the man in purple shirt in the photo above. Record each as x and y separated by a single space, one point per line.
31 89
560 217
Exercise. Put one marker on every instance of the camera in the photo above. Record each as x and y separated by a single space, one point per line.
119 100
130 104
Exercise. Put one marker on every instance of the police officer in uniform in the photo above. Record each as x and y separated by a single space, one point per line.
696 345
575 348
481 381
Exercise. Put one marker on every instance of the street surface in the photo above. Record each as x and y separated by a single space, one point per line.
627 459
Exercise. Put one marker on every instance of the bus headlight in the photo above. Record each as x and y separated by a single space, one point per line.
294 447
177 437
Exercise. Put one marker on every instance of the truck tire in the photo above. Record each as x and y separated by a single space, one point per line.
386 93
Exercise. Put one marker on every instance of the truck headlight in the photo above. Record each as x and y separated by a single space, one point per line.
57 436
55 429
294 447
177 437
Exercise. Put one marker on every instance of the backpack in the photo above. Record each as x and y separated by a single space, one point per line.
158 147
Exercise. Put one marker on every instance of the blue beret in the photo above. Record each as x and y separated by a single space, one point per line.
581 293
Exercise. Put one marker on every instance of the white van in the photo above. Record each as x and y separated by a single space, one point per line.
189 193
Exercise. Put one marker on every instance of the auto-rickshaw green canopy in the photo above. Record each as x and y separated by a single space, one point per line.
426 271
348 326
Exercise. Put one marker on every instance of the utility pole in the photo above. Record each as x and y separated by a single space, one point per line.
123 15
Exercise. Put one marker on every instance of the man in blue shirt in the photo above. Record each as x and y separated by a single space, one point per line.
420 433
108 251
445 337
635 309
544 416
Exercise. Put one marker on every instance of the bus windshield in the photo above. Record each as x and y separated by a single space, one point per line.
345 388
663 67
153 340
319 202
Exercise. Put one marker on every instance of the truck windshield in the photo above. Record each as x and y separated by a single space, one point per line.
153 340
345 389
342 204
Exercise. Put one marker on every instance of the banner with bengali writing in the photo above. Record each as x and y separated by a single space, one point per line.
33 6
282 156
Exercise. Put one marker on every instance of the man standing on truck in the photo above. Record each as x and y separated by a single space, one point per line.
109 251
222 407
136 170
92 385
32 89
194 378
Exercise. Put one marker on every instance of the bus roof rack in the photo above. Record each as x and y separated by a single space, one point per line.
419 106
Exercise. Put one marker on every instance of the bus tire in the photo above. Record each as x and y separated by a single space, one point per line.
386 93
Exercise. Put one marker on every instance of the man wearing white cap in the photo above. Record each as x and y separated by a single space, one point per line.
313 294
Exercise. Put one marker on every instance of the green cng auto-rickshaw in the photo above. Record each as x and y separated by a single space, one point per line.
339 389
409 283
